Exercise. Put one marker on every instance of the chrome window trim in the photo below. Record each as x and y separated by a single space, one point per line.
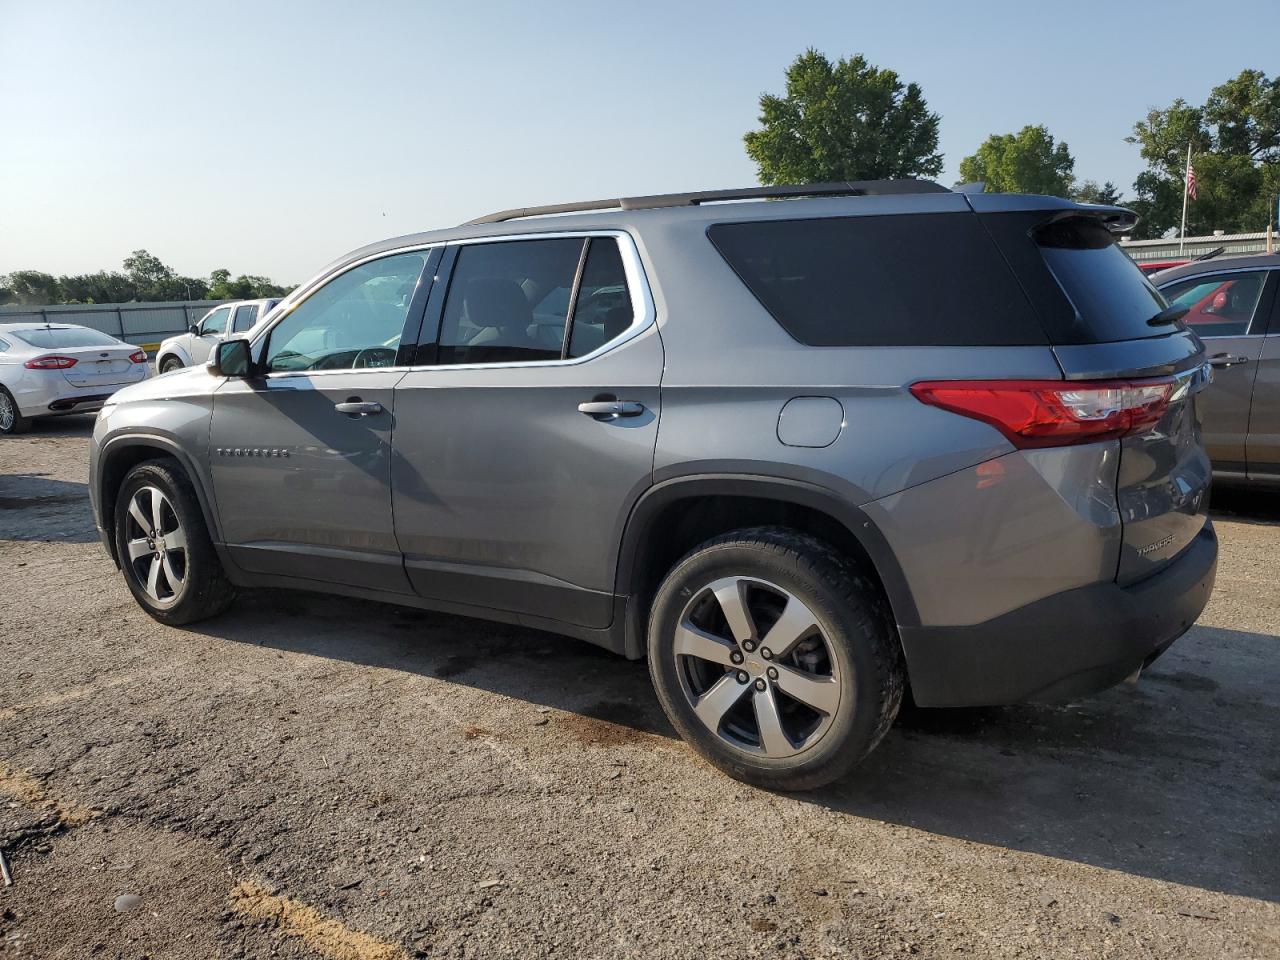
1219 273
644 312
287 305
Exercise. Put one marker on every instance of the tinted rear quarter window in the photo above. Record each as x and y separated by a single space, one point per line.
1084 287
1112 296
899 280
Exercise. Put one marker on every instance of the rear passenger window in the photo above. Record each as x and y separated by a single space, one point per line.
244 317
1224 305
510 301
913 280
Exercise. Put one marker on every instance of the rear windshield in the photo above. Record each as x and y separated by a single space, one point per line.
910 280
52 338
1112 296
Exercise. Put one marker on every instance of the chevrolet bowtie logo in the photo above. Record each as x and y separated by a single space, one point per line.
252 451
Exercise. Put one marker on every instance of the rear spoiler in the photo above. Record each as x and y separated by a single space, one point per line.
1116 219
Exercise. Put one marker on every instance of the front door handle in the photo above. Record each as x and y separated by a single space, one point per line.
355 407
1222 360
611 409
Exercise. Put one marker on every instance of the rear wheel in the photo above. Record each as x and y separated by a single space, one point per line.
169 364
164 548
775 658
11 421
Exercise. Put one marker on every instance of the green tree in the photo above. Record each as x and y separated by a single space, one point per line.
1235 143
243 287
100 287
148 274
1090 192
849 120
30 287
1029 161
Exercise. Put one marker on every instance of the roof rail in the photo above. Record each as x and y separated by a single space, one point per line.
842 188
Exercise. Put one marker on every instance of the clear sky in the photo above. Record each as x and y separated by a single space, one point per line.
269 137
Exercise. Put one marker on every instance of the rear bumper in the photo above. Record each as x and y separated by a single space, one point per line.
79 404
1064 646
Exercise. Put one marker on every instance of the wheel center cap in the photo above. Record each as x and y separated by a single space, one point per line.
755 666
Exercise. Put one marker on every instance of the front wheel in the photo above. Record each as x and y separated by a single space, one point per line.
164 548
169 364
775 658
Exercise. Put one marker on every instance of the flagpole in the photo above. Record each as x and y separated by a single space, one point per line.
1182 237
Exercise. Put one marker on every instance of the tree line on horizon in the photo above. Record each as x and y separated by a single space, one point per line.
852 120
145 278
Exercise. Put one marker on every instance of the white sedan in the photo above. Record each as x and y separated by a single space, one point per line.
49 369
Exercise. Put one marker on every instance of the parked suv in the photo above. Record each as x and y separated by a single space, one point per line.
1232 304
196 345
798 453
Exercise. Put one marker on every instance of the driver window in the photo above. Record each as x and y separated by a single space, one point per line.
216 322
352 322
1219 306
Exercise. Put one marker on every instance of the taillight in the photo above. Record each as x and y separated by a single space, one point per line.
138 356
51 362
1053 413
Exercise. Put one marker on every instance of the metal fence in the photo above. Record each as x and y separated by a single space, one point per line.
142 324
1235 244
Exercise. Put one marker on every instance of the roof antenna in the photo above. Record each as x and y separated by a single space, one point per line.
975 186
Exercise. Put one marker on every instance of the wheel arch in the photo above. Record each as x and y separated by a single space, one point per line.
675 515
172 351
121 454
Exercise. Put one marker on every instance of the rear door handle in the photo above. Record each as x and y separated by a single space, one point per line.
1226 360
611 409
358 408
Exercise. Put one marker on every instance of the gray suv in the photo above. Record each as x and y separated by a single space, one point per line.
801 454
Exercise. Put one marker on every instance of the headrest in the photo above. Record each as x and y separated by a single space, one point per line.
497 302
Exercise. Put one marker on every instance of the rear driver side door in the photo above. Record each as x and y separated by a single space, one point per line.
526 430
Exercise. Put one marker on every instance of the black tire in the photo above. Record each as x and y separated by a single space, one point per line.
852 618
14 422
170 364
204 590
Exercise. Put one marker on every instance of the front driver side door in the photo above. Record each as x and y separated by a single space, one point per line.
212 328
1228 309
301 451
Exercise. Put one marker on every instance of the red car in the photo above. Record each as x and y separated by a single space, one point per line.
1155 266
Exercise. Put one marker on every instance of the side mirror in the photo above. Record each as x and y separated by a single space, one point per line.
194 329
231 359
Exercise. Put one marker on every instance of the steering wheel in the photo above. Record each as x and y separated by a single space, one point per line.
374 357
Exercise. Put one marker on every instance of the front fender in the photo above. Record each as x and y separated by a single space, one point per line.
173 350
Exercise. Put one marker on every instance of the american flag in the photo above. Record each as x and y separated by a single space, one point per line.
1191 180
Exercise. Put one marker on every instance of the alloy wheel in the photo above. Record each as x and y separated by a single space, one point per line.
756 667
156 544
7 413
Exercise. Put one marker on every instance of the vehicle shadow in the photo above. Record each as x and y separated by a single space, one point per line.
35 507
1173 779
1248 504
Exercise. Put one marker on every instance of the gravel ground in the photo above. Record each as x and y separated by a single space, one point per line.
310 776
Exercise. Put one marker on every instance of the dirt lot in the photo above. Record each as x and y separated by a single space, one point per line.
310 776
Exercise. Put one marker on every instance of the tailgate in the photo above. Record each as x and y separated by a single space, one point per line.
95 371
1162 487
1103 318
